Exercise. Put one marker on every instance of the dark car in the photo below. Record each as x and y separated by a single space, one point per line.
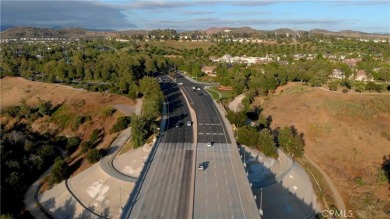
201 166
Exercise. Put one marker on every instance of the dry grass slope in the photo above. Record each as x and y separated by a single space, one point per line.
346 135
75 103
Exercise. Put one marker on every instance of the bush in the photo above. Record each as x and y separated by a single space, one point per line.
86 146
121 124
94 136
73 143
359 180
94 155
333 86
107 112
79 120
345 91
346 83
59 172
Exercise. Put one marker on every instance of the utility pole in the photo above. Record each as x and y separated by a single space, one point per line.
261 202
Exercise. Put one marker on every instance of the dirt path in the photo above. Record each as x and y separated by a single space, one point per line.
336 195
236 104
356 93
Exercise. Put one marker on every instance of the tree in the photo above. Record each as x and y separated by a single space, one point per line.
59 172
236 118
139 129
248 136
291 141
121 124
266 143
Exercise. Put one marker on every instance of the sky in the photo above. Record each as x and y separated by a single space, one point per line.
361 15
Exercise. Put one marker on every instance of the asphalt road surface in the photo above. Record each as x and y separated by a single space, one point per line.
221 189
165 191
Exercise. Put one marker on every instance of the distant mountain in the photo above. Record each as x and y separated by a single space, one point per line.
249 30
348 33
35 32
61 32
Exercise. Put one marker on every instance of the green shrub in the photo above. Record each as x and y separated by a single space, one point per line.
63 116
121 124
94 136
86 146
333 86
72 144
94 155
59 172
107 112
359 180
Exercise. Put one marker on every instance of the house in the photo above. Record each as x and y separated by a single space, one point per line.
214 59
352 62
361 75
209 70
337 73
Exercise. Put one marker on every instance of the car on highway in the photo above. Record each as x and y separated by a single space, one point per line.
189 123
209 144
201 166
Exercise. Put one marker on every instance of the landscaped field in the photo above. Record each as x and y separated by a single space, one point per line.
347 135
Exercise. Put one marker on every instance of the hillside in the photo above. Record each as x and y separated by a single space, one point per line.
69 33
347 135
77 102
41 121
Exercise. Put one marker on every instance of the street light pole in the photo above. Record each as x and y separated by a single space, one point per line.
261 201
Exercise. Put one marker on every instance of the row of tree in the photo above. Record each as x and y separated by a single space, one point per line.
262 137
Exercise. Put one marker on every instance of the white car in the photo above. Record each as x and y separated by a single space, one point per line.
180 83
198 88
209 144
189 123
201 166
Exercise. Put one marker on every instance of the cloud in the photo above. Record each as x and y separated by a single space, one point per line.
63 13
188 12
359 3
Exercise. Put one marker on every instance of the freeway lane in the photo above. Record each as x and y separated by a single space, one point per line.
222 189
165 190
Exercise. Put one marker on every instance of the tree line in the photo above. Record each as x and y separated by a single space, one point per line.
261 136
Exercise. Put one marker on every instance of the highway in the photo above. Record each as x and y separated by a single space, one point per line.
222 188
166 188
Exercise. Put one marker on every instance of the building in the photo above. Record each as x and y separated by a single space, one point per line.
361 75
337 73
209 70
